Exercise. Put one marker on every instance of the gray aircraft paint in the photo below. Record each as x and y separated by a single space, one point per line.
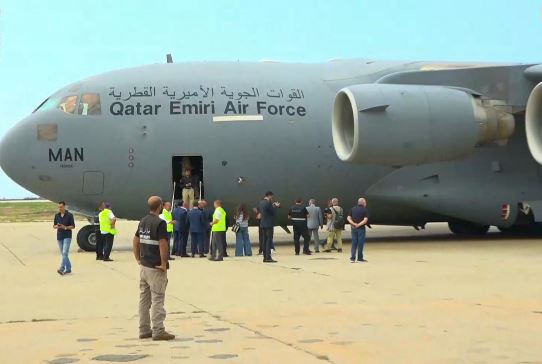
124 159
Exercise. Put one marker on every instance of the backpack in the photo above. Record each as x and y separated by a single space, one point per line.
339 222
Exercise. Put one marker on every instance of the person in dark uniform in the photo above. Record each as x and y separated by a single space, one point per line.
267 209
298 214
151 251
181 229
207 218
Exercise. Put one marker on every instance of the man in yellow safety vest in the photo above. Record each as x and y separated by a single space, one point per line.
218 231
107 230
168 218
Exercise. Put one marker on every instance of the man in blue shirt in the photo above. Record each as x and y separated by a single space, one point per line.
196 220
64 224
180 230
358 218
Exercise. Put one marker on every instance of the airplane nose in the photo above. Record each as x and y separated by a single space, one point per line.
16 151
7 157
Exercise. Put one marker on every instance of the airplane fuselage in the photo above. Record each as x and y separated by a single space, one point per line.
257 127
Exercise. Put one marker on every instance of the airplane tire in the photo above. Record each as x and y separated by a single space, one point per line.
86 238
467 228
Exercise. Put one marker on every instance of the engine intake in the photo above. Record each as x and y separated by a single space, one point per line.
533 121
398 125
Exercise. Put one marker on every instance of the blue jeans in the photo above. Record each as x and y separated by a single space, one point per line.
358 240
197 243
242 243
64 247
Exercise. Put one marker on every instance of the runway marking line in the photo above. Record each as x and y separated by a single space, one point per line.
14 255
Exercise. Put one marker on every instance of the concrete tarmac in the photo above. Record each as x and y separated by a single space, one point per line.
423 297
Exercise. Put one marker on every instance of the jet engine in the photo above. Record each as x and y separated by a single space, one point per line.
533 123
396 125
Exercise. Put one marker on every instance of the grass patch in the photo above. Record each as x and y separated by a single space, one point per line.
31 211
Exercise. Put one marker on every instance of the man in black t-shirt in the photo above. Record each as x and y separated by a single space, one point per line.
358 218
150 247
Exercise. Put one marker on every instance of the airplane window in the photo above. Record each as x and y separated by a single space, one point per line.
90 105
48 104
67 104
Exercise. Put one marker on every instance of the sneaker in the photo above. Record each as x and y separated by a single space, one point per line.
107 260
339 250
67 272
59 271
317 251
307 253
269 261
202 255
327 251
364 260
296 253
165 336
170 258
217 260
352 260
148 335
99 258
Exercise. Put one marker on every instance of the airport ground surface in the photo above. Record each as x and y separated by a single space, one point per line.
424 297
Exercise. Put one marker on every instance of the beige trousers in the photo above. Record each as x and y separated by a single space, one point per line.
335 234
188 196
152 293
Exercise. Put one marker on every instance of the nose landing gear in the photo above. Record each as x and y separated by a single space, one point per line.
86 238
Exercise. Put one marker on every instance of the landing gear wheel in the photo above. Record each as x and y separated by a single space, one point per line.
86 238
467 228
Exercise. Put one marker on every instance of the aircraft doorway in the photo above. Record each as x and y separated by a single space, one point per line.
180 164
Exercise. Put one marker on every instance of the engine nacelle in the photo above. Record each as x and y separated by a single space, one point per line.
533 123
397 125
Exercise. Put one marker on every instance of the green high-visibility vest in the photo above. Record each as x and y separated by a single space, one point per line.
105 222
168 218
221 224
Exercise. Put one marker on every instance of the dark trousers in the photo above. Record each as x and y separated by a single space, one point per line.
217 244
108 244
300 230
99 244
180 240
206 241
267 243
261 239
169 244
225 246
197 243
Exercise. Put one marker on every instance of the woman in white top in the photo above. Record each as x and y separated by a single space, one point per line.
242 244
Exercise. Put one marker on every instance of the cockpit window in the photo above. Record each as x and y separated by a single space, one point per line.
68 104
90 105
48 104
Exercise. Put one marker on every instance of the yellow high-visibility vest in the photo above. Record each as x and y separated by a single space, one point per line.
221 224
168 218
105 222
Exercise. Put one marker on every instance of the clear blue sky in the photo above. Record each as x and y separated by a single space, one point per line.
47 44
